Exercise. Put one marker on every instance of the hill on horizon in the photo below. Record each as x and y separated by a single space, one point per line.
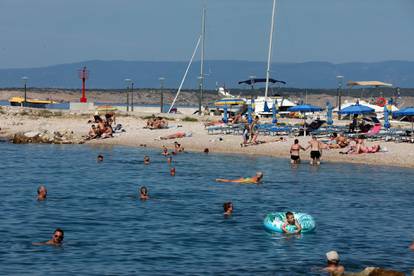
146 74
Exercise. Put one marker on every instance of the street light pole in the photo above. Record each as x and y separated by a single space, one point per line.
128 82
24 79
339 79
161 79
132 96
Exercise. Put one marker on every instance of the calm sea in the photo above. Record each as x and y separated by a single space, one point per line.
365 213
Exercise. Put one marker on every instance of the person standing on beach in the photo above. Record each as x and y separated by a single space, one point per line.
253 131
56 240
41 193
316 151
294 152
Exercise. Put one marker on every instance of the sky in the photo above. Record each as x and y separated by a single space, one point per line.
47 32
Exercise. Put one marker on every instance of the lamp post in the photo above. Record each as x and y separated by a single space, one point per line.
24 79
132 96
339 79
161 79
128 82
200 99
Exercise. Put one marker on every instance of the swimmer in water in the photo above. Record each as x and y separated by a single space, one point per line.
172 172
41 193
206 150
99 158
146 160
143 193
333 266
244 180
56 240
228 208
290 220
169 159
412 246
164 151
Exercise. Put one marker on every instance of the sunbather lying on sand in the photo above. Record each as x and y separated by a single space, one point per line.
360 147
338 141
244 180
156 123
180 134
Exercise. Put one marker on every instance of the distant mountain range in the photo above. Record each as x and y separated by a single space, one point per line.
111 74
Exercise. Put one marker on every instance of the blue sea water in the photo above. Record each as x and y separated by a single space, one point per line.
363 212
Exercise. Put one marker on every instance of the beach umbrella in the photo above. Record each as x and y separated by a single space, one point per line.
329 114
274 112
225 119
356 109
386 118
304 108
409 112
249 114
266 107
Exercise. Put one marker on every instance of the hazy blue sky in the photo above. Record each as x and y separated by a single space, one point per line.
45 32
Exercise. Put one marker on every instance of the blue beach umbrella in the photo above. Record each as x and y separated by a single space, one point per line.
409 112
274 112
386 118
329 114
249 114
303 108
357 109
266 107
225 119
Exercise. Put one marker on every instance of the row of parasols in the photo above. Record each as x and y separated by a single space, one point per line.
355 109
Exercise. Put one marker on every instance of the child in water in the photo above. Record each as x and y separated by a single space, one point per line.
290 220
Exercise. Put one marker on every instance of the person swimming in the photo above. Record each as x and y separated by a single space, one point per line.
100 158
333 266
290 220
164 150
206 150
41 193
146 160
143 193
172 171
244 180
228 208
169 159
56 240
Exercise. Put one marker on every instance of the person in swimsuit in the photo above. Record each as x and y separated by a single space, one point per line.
169 159
41 193
316 149
146 160
56 240
164 150
333 266
245 136
244 180
172 171
99 158
290 220
228 208
143 193
294 152
253 131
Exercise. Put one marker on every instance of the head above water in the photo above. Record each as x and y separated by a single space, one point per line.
259 175
143 190
172 171
206 150
41 192
100 158
58 236
228 207
146 159
332 257
290 217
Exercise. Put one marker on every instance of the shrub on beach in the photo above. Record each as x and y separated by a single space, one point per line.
189 119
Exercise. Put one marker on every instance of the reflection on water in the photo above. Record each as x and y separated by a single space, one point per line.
365 213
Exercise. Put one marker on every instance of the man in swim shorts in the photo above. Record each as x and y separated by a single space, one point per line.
294 152
290 220
316 148
244 180
41 193
56 240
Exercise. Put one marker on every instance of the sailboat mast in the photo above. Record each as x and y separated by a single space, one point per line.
270 49
203 32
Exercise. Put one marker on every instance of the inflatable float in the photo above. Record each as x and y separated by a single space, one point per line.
273 222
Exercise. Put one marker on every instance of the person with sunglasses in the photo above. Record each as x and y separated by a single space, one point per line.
56 239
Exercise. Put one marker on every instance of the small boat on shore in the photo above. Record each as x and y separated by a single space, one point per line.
20 101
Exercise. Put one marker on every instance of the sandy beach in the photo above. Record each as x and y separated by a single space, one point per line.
16 120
